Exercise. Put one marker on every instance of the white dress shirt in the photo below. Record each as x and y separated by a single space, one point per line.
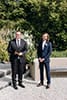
18 42
43 44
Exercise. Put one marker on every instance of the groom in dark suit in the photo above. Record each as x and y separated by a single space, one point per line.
17 49
44 52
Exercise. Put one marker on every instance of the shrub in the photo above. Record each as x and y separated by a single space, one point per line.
59 53
31 53
3 51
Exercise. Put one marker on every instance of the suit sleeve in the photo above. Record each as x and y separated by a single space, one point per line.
39 50
9 48
25 48
50 51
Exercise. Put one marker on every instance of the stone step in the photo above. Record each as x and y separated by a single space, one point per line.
1 74
59 72
5 69
5 81
5 72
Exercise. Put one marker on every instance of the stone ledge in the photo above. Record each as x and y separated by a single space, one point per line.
58 68
58 62
59 72
5 69
4 73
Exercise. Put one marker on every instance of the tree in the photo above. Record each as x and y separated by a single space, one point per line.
36 16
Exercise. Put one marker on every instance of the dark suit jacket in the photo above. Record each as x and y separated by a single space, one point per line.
12 47
46 52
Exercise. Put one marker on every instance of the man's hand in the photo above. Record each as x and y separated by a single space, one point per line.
41 59
16 53
20 54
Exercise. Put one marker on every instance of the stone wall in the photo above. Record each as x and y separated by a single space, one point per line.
54 63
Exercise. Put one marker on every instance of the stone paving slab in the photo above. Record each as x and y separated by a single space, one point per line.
58 90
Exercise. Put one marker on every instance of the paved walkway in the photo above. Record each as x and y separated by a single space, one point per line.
58 90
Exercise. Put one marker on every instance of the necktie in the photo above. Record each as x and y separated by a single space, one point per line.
18 43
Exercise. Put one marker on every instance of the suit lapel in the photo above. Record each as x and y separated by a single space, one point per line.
15 43
46 45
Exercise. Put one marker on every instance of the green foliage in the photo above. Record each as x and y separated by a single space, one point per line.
37 16
59 53
31 54
3 51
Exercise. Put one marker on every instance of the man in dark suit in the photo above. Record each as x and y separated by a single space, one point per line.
17 49
44 52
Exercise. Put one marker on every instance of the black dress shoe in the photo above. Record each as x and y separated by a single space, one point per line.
15 87
48 86
21 85
40 84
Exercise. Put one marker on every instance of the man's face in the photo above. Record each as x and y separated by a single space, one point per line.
45 37
18 35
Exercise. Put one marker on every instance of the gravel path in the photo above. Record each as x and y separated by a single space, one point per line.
58 91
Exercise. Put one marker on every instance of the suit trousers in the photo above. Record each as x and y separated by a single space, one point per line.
47 69
17 68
